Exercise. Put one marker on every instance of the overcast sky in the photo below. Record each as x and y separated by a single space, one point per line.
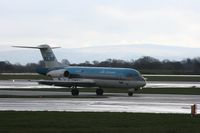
83 23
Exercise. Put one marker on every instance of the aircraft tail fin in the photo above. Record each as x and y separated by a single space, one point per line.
47 54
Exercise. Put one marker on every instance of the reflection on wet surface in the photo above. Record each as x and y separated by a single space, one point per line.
146 103
111 102
150 84
172 84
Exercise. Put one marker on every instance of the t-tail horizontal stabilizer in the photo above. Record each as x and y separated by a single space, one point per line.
38 47
47 54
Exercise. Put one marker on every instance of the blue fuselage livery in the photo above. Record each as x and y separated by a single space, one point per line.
97 72
77 76
118 77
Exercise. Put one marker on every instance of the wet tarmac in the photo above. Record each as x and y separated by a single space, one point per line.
110 102
150 84
22 84
172 84
145 103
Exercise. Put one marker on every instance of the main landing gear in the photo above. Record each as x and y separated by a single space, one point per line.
99 92
74 91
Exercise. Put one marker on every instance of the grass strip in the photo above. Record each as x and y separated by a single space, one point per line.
172 78
28 77
87 122
185 91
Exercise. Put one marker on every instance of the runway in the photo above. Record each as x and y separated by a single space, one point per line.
22 84
172 84
110 102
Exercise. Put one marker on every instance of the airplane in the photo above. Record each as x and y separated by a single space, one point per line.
76 77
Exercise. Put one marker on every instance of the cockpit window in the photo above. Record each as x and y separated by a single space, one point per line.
129 75
133 74
136 74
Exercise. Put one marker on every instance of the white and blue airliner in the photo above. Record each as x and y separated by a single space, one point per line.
76 77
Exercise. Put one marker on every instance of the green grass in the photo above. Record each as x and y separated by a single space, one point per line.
32 77
184 91
68 122
187 91
52 96
172 78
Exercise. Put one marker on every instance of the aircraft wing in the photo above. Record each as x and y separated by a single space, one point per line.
68 83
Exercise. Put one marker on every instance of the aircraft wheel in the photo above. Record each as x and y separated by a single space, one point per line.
99 92
130 93
75 92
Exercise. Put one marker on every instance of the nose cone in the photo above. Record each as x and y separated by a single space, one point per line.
143 81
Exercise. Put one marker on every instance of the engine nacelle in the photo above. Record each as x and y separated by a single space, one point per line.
58 73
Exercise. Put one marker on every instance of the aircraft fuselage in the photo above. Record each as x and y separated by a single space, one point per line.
101 76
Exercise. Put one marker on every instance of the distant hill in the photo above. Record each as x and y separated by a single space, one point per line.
100 53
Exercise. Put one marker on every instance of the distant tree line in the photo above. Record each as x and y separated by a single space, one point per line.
7 67
146 65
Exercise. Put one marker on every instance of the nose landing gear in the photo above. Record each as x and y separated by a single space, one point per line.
130 92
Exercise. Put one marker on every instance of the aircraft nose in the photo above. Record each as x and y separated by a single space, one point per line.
143 81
